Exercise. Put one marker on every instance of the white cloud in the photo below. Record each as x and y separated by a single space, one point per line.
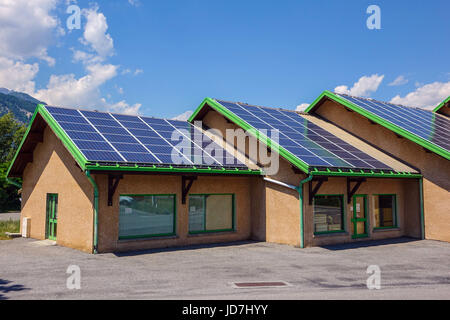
426 96
138 71
363 87
27 29
134 3
123 107
302 107
400 80
184 116
17 75
95 34
66 90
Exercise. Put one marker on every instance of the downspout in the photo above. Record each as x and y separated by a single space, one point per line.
422 219
300 197
94 184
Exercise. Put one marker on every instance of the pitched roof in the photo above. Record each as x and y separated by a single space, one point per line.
426 128
308 146
105 141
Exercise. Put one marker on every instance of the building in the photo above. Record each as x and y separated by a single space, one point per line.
103 182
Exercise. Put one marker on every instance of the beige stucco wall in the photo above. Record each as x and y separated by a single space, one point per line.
435 169
53 170
276 209
408 213
167 184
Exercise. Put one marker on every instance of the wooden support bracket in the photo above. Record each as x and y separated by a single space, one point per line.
352 191
185 188
113 182
313 191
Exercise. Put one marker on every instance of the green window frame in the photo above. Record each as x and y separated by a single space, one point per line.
152 215
321 218
198 213
376 211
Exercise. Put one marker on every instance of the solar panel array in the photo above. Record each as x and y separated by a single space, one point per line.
425 124
305 140
107 137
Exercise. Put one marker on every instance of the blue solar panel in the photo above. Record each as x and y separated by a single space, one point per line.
304 139
425 124
110 137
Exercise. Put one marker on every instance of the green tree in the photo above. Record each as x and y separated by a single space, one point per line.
11 133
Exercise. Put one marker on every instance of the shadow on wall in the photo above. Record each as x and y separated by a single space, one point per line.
182 248
5 288
369 243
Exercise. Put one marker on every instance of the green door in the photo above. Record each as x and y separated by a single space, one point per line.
359 218
52 216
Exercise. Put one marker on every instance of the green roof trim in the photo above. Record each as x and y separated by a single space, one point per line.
362 173
59 132
289 156
255 132
443 103
171 169
86 165
402 132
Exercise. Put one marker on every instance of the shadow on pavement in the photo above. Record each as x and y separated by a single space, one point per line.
183 248
368 243
5 288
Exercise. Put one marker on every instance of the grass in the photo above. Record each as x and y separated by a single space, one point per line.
8 226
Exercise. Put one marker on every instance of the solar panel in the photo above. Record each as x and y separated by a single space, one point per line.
425 124
310 143
110 137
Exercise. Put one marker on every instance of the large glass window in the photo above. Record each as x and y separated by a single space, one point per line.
385 211
146 216
328 213
213 212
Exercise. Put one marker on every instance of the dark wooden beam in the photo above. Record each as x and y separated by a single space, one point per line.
26 156
35 136
296 170
313 191
113 182
185 188
352 191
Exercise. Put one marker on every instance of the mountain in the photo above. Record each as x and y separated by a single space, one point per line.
20 104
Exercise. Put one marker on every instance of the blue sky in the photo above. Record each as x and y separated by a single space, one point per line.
162 58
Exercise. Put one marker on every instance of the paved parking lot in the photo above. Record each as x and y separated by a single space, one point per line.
409 270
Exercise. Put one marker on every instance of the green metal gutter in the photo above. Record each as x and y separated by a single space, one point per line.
300 197
422 219
94 185
388 125
171 169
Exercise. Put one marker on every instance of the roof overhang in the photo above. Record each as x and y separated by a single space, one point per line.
34 134
445 103
210 104
328 95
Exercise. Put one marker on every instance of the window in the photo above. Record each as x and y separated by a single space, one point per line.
143 216
328 213
209 213
385 211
